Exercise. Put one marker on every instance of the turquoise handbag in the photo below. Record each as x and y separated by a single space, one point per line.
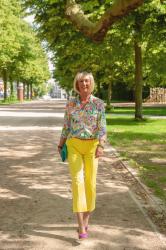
64 152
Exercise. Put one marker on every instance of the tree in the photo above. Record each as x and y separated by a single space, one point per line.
97 30
58 31
109 61
21 54
87 17
148 26
9 33
32 62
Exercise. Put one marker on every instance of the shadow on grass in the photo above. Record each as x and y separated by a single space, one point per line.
125 129
161 111
127 121
130 137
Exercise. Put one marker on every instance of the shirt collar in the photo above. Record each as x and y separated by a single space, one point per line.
90 98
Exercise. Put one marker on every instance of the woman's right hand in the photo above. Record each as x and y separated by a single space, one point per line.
60 144
59 149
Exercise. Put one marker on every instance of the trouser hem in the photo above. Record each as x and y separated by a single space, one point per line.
82 211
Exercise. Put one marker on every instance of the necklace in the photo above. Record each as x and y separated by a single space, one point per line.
85 101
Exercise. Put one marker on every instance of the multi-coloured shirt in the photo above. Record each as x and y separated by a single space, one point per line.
85 122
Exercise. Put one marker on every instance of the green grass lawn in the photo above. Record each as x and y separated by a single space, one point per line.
9 101
161 111
144 145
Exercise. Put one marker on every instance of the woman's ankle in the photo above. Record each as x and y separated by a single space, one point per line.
82 230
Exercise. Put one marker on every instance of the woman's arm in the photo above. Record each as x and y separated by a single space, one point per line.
102 131
102 126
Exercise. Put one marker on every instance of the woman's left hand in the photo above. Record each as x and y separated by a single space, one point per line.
99 151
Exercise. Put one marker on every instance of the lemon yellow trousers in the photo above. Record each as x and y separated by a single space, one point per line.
83 169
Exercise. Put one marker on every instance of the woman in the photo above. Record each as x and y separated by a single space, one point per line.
84 132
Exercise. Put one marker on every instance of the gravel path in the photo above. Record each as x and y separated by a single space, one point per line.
35 195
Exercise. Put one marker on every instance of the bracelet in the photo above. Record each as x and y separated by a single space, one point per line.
99 145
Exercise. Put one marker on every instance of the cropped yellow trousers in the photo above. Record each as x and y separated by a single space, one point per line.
83 169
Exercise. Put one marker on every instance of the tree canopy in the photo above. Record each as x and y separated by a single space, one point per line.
130 38
73 51
22 57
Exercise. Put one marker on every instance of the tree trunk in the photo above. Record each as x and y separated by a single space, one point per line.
98 90
109 94
24 85
17 88
27 90
11 87
138 80
4 76
31 91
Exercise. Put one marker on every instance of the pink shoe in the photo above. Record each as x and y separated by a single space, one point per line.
83 236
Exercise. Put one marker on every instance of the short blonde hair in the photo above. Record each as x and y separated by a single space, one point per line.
79 76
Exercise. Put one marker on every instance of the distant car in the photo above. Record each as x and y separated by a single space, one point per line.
1 94
46 97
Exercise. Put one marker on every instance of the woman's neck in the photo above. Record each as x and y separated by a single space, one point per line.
84 98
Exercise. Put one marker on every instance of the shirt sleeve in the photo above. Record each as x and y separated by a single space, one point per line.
102 123
66 124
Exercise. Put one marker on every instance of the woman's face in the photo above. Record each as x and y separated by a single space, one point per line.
84 85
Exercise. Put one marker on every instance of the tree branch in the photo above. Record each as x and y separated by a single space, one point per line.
97 31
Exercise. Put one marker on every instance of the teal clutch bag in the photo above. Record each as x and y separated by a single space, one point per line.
64 152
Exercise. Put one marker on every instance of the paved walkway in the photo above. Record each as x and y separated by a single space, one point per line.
35 195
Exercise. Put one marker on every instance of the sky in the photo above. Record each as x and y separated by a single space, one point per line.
30 20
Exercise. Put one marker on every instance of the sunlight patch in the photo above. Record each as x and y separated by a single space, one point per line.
9 194
29 128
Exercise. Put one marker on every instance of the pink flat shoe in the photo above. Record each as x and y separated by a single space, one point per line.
83 236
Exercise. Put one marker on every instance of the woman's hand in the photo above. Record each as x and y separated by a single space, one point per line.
59 149
99 151
61 143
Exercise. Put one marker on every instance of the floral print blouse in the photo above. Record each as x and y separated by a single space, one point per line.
84 122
